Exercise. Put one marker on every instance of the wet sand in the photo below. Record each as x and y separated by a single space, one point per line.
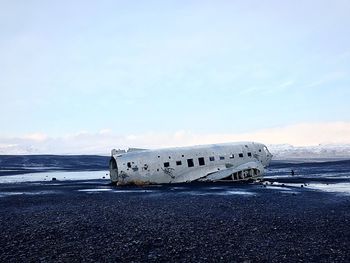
89 221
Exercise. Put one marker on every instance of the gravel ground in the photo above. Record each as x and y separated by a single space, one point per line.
55 222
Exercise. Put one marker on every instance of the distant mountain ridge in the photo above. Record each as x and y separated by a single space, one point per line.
280 151
287 151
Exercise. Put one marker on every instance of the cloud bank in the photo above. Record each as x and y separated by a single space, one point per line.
303 134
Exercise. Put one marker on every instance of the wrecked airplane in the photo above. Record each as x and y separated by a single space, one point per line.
227 162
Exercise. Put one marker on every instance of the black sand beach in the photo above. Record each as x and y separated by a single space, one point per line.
90 220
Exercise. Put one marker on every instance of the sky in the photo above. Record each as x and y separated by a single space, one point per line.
97 75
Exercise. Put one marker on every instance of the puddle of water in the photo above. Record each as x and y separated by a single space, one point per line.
47 176
42 192
217 188
134 191
280 188
334 188
114 191
178 188
307 175
343 188
96 190
239 193
230 192
4 194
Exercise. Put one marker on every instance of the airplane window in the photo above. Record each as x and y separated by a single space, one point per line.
211 158
250 154
232 156
201 161
129 164
259 150
158 156
183 155
167 164
178 163
190 162
222 158
241 155
169 157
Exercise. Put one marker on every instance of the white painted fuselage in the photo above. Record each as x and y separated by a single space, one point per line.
215 162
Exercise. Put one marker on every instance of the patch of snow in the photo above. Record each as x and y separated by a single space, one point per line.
335 188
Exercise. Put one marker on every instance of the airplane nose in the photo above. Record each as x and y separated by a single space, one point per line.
113 169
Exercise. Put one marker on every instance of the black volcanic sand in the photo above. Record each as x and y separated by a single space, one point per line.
54 222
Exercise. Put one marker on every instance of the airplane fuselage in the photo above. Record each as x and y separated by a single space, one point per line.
215 162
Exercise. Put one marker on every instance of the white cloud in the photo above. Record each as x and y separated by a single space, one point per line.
303 134
333 76
105 131
285 85
36 137
268 89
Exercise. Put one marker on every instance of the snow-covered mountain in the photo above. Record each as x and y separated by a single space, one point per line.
287 151
279 151
15 149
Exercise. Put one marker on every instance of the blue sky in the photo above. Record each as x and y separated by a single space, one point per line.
203 67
